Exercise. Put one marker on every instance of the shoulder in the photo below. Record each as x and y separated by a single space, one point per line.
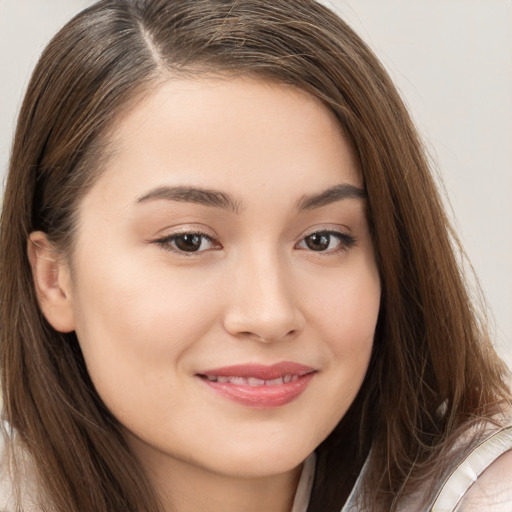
492 490
16 493
6 488
481 479
478 478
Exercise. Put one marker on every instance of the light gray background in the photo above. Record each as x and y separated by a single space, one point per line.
451 59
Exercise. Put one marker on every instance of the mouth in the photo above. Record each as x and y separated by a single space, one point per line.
259 386
252 381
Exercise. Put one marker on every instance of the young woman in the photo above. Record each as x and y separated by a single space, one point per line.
227 279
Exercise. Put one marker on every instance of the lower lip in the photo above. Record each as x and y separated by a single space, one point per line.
261 397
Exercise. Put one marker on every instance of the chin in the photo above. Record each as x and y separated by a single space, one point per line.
255 462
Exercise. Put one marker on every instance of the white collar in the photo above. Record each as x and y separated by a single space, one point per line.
301 501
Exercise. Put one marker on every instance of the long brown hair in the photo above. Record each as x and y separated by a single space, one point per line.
432 369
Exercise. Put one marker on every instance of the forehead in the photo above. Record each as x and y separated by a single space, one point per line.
228 133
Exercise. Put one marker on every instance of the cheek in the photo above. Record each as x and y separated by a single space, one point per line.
133 319
344 311
345 308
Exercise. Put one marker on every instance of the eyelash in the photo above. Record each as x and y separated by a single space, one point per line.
168 243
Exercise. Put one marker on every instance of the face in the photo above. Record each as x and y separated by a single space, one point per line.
223 284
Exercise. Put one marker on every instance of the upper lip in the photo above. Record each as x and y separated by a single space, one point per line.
260 371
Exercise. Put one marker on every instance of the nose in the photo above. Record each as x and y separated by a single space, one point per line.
262 305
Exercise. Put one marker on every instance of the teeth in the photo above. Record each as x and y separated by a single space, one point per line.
239 381
275 382
253 381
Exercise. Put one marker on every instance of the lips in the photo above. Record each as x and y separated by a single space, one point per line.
259 386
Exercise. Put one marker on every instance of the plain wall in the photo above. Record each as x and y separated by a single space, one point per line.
451 59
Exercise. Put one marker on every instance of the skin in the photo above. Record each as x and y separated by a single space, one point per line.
149 318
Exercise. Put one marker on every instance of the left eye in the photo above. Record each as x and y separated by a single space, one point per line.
188 242
324 241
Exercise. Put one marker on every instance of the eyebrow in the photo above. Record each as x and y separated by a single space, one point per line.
206 197
331 195
218 199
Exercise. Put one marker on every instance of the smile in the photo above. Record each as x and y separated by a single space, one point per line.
253 381
259 386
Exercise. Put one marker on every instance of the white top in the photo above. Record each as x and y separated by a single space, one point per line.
454 492
301 501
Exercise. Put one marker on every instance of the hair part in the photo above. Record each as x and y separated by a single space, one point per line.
428 336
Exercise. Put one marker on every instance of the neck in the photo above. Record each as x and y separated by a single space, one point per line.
186 487
219 493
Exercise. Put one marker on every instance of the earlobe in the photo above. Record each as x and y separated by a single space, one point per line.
52 282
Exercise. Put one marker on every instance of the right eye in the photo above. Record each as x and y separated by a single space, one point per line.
188 243
327 242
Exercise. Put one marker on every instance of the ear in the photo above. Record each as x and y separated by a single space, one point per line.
52 281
